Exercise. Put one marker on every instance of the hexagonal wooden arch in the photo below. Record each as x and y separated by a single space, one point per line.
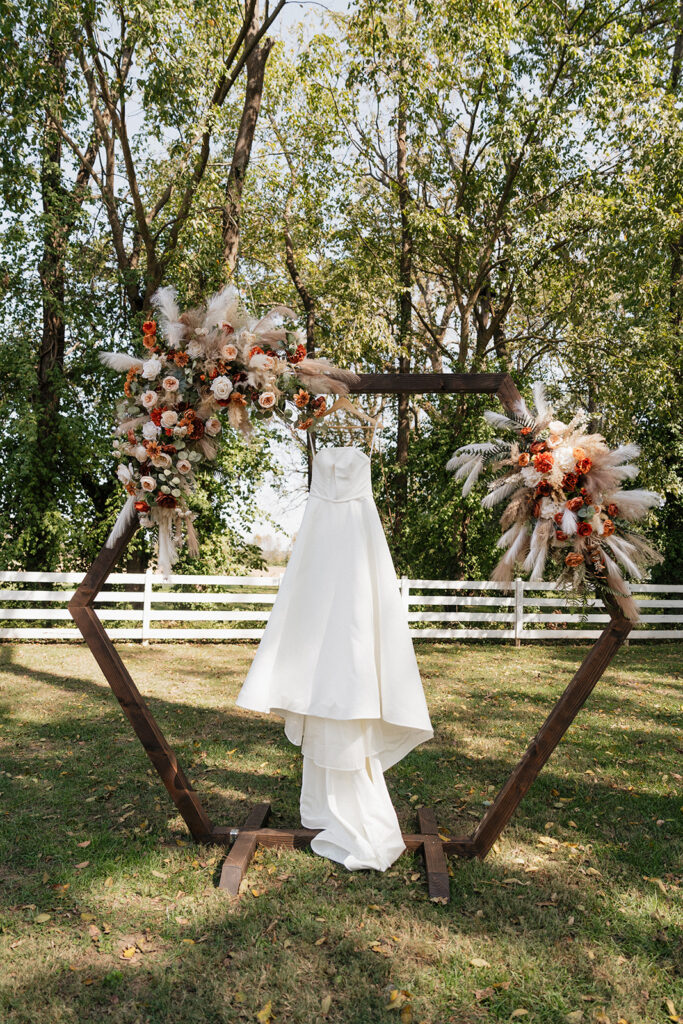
245 838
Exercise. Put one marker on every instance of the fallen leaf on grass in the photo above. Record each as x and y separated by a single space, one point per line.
478 961
669 1003
321 940
42 918
519 1012
84 844
480 994
83 864
87 916
94 932
265 1014
128 953
574 1017
325 1005
109 882
159 874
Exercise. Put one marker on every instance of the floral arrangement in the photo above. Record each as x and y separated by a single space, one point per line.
201 368
565 502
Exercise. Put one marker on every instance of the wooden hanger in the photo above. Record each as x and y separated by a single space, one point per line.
344 404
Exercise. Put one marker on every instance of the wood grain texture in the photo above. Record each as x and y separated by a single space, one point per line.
129 697
431 383
551 732
244 848
436 865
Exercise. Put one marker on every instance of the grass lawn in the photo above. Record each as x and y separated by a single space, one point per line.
109 912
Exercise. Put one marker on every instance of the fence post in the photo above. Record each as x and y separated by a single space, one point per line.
405 593
146 607
519 611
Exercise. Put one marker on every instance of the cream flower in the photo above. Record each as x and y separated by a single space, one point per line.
161 461
148 483
169 418
213 426
201 331
151 368
221 387
564 458
139 452
194 350
124 473
266 400
261 361
170 383
150 431
183 466
179 431
530 476
229 352
148 399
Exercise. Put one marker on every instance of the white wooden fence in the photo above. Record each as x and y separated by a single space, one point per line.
142 606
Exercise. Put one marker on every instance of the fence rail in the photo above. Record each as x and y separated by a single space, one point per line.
143 606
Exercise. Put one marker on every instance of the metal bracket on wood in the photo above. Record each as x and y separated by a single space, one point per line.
253 833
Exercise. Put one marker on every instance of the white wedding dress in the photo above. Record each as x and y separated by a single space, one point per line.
337 663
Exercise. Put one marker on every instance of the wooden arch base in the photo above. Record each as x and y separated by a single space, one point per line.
253 832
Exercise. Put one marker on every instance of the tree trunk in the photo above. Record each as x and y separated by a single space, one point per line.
405 313
256 67
50 356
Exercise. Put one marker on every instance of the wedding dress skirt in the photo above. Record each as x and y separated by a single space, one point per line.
337 663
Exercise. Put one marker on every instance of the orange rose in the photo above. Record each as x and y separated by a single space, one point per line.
558 518
166 500
560 534
542 489
525 431
523 459
573 559
141 506
150 342
543 462
574 504
256 351
608 528
537 447
301 399
584 465
149 327
569 481
299 354
579 454
612 510
584 529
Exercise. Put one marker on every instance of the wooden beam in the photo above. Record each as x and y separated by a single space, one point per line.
244 848
129 697
436 865
431 383
551 732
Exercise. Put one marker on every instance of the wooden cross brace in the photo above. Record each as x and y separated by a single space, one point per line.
253 832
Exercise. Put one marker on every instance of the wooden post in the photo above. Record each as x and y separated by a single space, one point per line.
551 732
519 610
147 606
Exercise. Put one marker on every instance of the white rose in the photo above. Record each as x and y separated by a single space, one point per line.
169 418
530 476
151 368
229 352
148 399
221 387
194 350
564 458
148 483
161 461
139 452
179 431
150 431
213 426
266 400
202 331
170 383
183 466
